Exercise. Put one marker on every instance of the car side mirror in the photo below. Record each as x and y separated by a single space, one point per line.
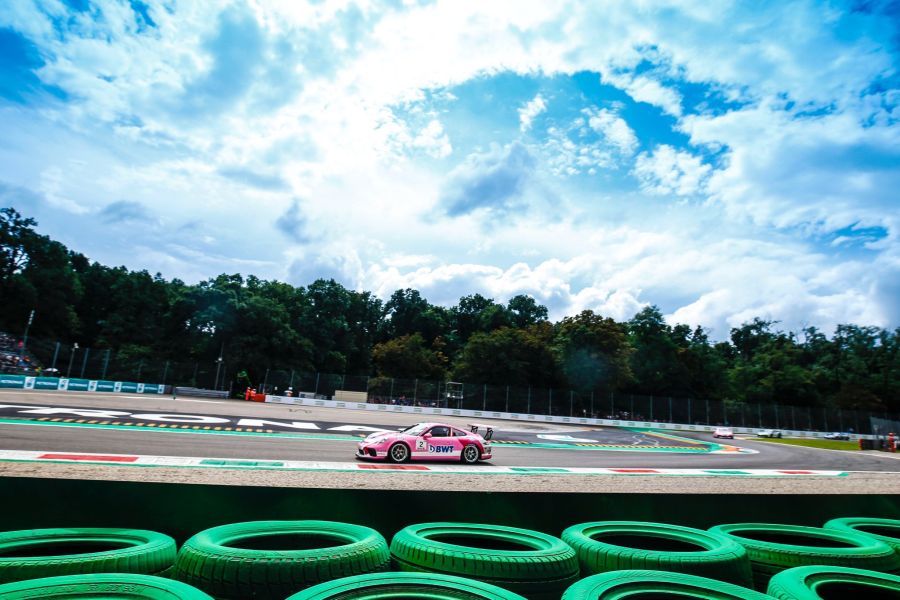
426 435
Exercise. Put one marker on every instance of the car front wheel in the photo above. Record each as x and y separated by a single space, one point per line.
470 455
399 453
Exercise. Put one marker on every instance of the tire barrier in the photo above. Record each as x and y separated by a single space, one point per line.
274 559
886 530
378 586
35 553
530 563
818 583
775 548
101 585
638 584
616 545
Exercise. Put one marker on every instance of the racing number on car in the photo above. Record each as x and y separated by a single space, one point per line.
420 444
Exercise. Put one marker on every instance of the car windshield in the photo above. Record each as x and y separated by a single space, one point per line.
416 429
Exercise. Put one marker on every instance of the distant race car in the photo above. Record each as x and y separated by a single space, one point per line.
769 433
723 432
427 441
837 435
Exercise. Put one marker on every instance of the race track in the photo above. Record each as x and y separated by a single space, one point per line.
187 427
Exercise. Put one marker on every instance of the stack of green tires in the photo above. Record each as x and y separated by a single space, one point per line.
627 545
646 585
774 548
834 583
530 563
886 530
108 586
38 553
381 586
270 560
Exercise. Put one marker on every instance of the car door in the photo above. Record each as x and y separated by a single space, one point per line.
440 444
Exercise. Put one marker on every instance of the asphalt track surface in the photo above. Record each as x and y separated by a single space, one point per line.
45 436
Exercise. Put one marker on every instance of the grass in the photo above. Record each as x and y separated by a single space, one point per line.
813 443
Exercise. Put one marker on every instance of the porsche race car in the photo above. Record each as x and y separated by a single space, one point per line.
427 441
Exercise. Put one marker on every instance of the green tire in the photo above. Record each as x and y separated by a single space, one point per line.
641 585
775 548
615 545
101 585
380 586
886 530
35 553
274 559
530 563
815 583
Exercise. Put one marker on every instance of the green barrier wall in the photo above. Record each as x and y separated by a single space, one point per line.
181 510
78 385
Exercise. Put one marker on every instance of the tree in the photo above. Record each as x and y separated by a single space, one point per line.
656 360
517 357
407 312
475 313
593 352
17 238
523 311
408 357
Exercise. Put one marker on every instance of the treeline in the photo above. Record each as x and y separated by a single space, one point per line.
325 327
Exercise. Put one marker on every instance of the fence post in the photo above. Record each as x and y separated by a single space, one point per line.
528 407
87 352
140 368
106 364
484 398
291 383
316 391
550 401
571 403
55 354
671 418
392 390
165 373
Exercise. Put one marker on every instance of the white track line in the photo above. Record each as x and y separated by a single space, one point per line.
294 465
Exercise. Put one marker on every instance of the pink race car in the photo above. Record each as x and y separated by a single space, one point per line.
426 441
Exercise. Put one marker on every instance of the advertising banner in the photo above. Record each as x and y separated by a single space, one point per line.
106 386
12 381
46 383
78 385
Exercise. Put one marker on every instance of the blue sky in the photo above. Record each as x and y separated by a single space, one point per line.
722 160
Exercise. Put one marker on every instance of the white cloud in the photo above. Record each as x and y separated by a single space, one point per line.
532 109
807 150
669 171
614 128
570 150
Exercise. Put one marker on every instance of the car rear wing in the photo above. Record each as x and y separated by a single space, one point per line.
488 430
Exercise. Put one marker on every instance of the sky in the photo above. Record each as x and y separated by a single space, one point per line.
721 160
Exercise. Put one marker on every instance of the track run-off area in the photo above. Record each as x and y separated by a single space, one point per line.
111 435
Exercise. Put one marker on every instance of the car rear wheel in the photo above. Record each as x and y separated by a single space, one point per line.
470 454
398 453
